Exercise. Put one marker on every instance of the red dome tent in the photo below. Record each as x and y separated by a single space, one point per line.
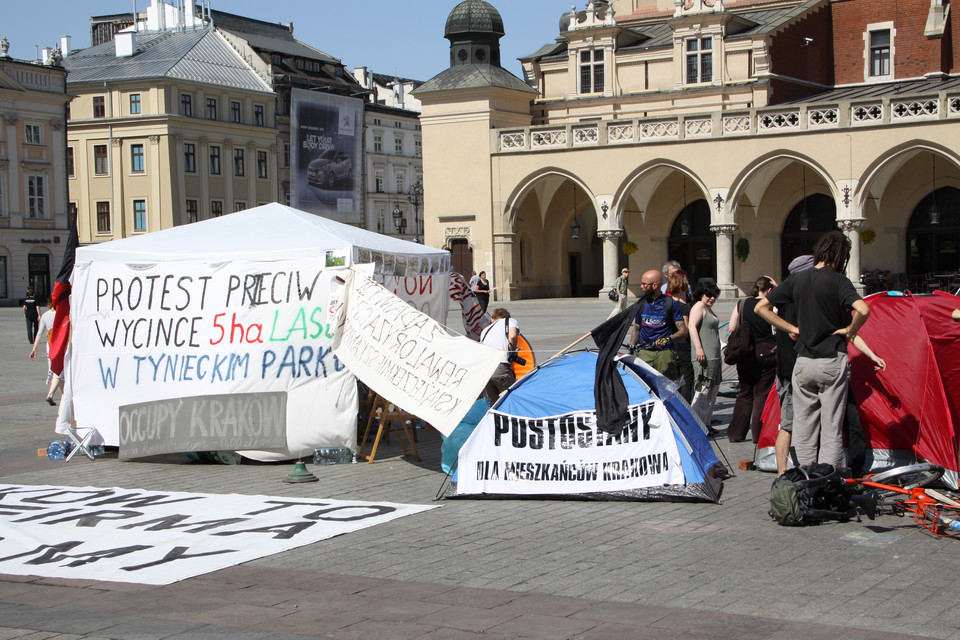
910 411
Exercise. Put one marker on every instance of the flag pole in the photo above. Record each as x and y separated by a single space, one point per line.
571 345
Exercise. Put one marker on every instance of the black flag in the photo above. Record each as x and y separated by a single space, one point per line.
609 394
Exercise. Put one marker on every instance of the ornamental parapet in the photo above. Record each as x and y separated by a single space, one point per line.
809 117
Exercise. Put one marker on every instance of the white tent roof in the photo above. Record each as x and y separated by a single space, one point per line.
264 232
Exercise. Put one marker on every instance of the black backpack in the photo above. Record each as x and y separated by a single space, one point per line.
812 494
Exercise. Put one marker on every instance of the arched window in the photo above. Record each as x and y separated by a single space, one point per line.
932 248
692 244
808 220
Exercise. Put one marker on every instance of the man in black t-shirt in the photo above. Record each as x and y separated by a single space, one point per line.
32 314
824 298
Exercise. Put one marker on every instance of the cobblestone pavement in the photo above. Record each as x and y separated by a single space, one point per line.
500 568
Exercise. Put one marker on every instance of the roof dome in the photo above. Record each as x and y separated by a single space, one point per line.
473 16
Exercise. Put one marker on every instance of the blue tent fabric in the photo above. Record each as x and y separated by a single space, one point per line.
452 443
566 384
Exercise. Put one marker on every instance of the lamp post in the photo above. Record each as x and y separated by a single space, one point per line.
397 218
415 198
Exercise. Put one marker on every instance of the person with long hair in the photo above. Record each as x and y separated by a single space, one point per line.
54 381
482 290
705 353
678 288
757 369
824 298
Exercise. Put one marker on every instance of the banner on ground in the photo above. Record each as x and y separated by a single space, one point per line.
568 454
160 537
189 355
408 358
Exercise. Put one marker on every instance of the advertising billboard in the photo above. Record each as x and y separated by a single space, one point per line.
326 161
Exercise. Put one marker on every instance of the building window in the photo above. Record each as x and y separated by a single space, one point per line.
3 277
258 115
398 145
215 161
376 121
189 158
235 112
699 60
136 158
36 197
239 206
401 178
186 105
216 208
99 107
591 71
3 199
418 148
100 166
286 155
134 103
880 53
32 134
238 162
69 162
192 213
103 217
211 108
377 142
261 164
378 180
381 221
139 215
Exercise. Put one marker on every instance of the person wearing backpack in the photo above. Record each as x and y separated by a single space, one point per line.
657 324
757 368
824 298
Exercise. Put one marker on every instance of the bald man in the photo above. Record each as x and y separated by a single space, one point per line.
657 324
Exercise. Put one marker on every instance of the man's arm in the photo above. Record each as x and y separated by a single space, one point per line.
634 333
681 331
512 338
765 310
861 311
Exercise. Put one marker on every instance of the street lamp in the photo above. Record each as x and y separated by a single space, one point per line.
397 217
415 198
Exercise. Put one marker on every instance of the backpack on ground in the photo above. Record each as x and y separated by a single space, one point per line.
812 494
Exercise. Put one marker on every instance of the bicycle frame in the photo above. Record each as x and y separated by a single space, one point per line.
940 519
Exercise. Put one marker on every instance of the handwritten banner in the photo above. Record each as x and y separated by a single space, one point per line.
143 334
408 358
568 454
160 537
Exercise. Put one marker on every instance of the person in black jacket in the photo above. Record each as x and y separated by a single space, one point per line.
32 314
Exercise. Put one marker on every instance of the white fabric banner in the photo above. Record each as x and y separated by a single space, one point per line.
159 537
408 358
148 338
568 454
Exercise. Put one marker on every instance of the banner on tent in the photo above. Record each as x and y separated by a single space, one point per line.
154 537
568 454
147 334
408 358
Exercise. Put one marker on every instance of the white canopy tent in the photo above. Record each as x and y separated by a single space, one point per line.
206 335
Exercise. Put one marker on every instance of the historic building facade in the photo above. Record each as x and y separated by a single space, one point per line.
726 135
33 185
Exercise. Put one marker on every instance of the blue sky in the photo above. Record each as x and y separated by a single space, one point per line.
401 37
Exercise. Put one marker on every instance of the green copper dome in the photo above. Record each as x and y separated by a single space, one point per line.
473 16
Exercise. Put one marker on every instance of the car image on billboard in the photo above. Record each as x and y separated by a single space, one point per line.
333 169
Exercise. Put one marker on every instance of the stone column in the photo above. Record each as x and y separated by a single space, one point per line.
505 285
724 233
610 238
851 228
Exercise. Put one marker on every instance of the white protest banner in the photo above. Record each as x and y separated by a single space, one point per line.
146 338
568 454
408 358
475 319
159 537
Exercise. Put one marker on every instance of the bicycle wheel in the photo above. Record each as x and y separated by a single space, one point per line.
909 476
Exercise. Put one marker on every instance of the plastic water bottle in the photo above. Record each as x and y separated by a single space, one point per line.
950 523
332 455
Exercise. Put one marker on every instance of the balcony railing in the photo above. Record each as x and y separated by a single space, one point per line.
729 124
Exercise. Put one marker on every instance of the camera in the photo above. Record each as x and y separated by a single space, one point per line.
514 357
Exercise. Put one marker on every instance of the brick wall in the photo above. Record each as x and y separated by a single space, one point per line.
803 50
914 53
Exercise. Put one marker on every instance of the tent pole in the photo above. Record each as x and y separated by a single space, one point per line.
572 345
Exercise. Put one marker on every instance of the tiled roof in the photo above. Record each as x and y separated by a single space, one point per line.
922 86
473 76
199 56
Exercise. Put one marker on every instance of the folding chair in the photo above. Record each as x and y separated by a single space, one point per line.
80 443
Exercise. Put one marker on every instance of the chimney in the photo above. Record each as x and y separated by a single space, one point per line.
289 26
125 44
45 55
65 45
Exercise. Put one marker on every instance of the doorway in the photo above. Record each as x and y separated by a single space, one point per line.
461 258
